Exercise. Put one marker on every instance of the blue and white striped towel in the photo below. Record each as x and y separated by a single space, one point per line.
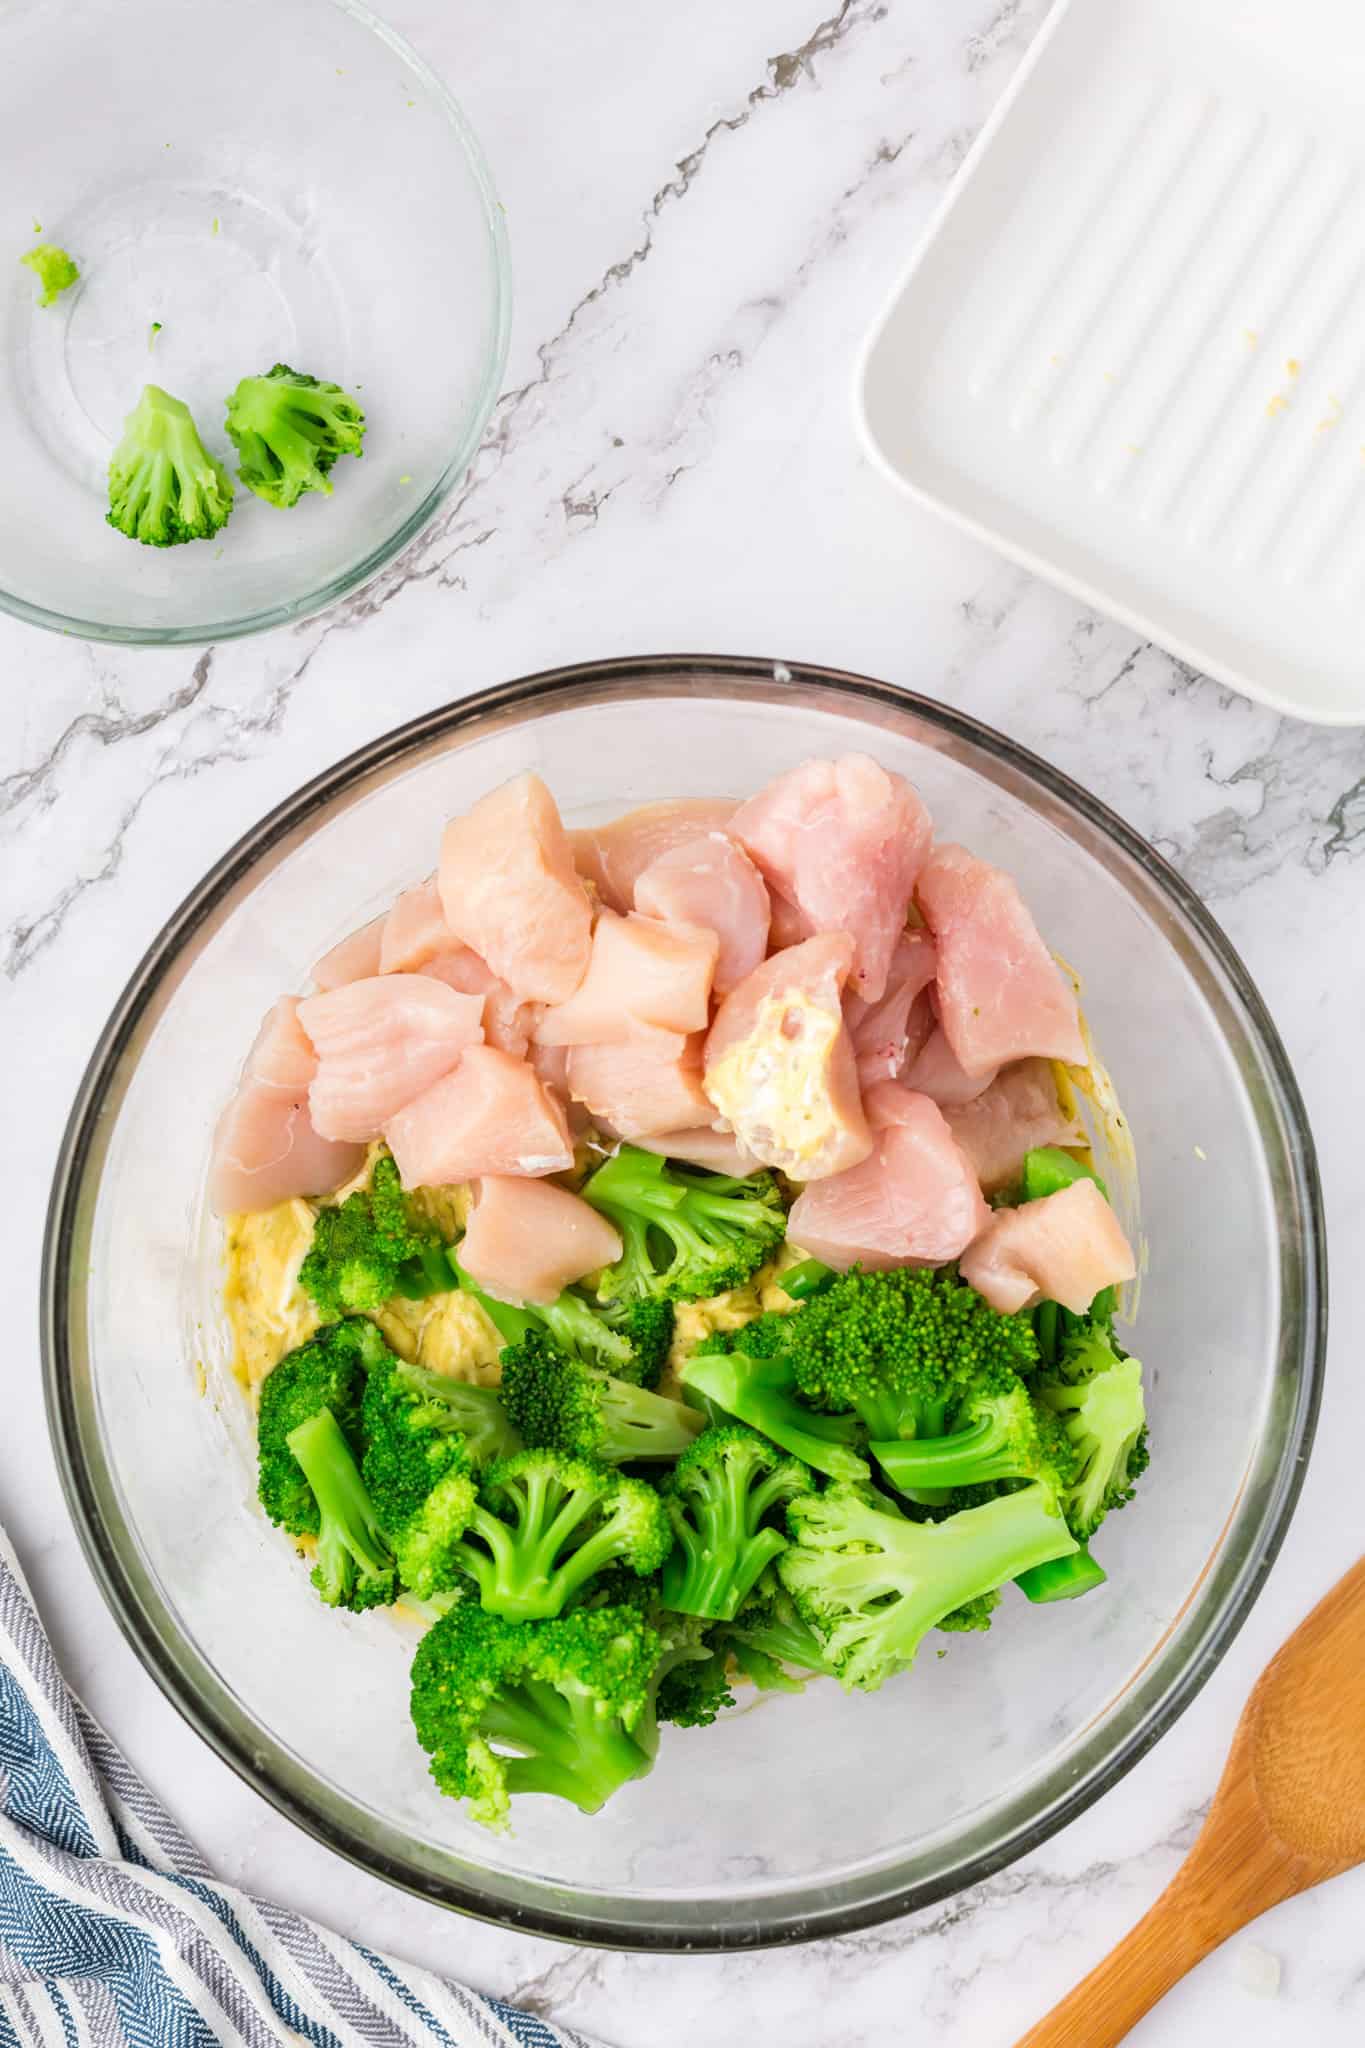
114 1931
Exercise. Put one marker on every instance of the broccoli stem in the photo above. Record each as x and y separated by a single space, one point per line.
812 1276
1047 1170
350 1540
974 1456
1062 1578
568 1748
759 1391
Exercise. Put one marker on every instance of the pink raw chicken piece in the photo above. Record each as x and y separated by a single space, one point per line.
717 1151
888 1033
644 976
265 1149
356 958
713 883
788 925
415 930
936 1072
509 890
1018 1111
507 1020
654 1085
1001 995
779 1066
915 1202
612 856
379 1043
492 1115
844 841
528 1240
1065 1247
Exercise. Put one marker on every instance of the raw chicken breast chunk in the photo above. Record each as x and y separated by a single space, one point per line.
612 856
844 842
265 1148
654 1085
1001 995
493 1115
509 890
355 958
712 882
914 1202
887 1034
415 930
1018 1111
528 1240
779 1062
380 1042
1065 1247
644 976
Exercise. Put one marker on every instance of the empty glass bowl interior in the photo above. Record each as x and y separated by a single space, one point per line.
795 1816
241 182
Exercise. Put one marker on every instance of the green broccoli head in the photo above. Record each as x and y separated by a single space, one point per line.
505 1708
693 1691
686 1235
558 1402
646 1323
998 1432
721 1497
1104 1419
371 1247
759 1387
289 429
55 271
164 486
546 1525
355 1566
627 1340
899 1347
768 1637
871 1584
329 1372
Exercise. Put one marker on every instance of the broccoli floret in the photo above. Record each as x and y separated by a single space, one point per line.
686 1235
767 1636
719 1498
559 1403
546 1524
55 271
872 1584
327 1372
997 1432
693 1691
628 1340
507 1707
898 1348
355 1567
1103 1414
371 1247
760 1389
424 1435
289 429
164 486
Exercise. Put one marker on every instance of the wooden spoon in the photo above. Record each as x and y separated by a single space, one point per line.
1288 1813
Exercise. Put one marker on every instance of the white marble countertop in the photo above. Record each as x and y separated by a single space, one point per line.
707 206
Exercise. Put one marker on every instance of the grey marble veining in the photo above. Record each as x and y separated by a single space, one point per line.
707 211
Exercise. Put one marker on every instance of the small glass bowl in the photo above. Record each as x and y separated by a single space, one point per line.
793 1818
241 182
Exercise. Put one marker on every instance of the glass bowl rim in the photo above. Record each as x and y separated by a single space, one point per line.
348 580
620 678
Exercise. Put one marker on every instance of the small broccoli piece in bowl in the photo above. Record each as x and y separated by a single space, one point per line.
559 1402
629 1340
721 1497
55 271
371 1247
288 429
546 1525
164 486
355 1567
504 1708
686 1234
329 1371
1097 1398
747 1374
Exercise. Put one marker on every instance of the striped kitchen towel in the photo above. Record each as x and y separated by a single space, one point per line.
113 1929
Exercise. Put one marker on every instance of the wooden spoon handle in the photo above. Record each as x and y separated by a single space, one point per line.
1190 1919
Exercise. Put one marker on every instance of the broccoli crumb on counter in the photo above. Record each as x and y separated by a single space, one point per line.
55 271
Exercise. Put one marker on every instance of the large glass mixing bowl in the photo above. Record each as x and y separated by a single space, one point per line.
1025 1725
